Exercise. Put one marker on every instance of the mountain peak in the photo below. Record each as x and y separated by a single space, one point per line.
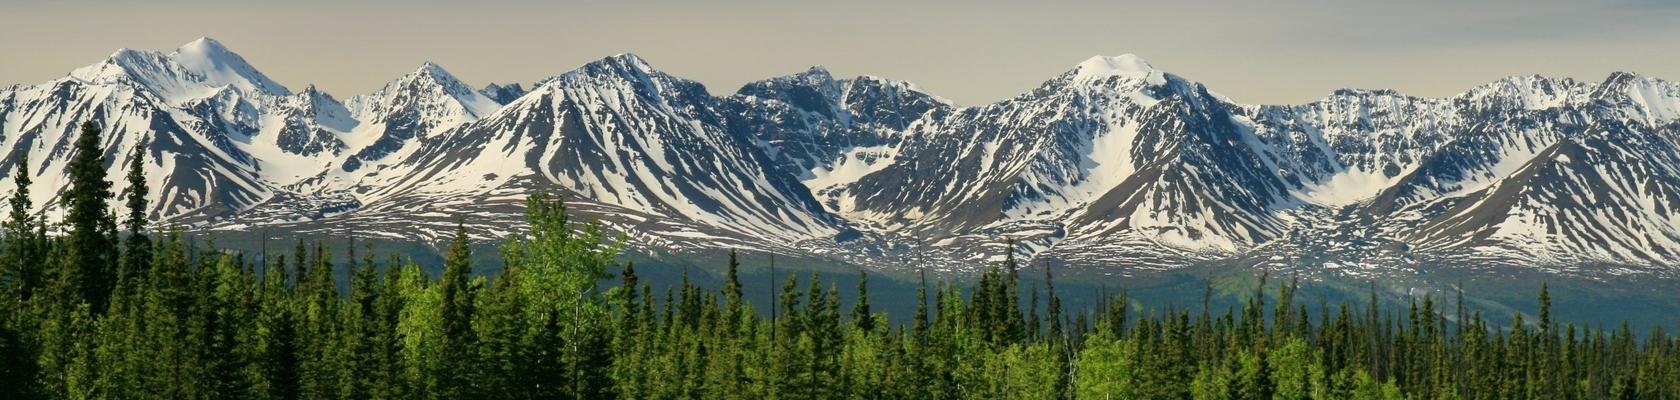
1356 92
429 85
323 108
1529 92
618 61
313 93
1653 100
194 70
629 58
626 62
431 74
434 72
120 53
429 67
1622 78
1624 81
204 45
219 66
815 73
1125 65
622 65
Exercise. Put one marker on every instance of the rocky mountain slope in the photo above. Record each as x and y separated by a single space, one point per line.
1113 165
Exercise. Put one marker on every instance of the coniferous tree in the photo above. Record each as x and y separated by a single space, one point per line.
17 360
24 245
319 310
455 309
274 369
1117 314
206 324
734 307
137 253
628 302
861 316
21 270
628 367
90 254
1009 302
1054 309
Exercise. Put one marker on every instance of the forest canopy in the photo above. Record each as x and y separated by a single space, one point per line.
115 308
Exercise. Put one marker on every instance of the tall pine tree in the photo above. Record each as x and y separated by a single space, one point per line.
24 253
861 316
456 309
90 259
137 253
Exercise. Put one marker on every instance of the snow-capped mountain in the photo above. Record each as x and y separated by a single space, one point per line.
201 107
1605 192
422 103
1113 162
647 151
1112 151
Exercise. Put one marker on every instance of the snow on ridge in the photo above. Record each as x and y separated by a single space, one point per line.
328 110
1126 65
429 86
909 86
220 66
195 70
650 126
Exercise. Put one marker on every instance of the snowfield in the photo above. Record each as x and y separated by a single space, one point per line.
1113 162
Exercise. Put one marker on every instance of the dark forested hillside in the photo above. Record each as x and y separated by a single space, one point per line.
106 306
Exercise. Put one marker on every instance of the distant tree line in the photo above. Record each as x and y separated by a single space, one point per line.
109 311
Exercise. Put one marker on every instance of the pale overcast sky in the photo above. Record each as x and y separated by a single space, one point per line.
973 52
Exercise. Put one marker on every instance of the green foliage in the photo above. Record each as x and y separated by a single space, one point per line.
456 339
1106 369
89 272
202 323
24 243
137 251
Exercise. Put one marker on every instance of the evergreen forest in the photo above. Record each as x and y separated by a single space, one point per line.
100 304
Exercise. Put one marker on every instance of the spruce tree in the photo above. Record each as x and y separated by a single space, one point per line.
300 266
456 314
1117 314
24 254
138 247
1054 309
91 250
628 366
18 370
861 316
1545 309
919 328
321 329
363 336
629 299
734 308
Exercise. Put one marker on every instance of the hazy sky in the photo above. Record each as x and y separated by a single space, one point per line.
973 52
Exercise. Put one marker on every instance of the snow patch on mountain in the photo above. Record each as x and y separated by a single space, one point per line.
1125 66
1111 160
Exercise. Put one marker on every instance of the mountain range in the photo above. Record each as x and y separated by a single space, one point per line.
1112 166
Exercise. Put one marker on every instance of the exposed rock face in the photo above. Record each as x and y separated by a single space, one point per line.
1112 160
